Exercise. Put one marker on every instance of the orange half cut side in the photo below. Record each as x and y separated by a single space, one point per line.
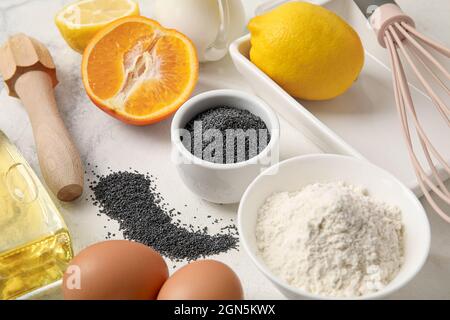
139 72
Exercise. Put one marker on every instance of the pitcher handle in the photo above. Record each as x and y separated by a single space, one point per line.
219 48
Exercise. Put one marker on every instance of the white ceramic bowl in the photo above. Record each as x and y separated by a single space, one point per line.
293 174
222 183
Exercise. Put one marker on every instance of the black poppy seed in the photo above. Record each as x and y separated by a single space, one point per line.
223 119
128 198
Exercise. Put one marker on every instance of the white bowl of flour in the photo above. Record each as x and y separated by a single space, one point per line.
333 227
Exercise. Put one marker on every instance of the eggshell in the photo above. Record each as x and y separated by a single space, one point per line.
203 280
115 270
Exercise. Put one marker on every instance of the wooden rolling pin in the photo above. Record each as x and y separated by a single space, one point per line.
29 73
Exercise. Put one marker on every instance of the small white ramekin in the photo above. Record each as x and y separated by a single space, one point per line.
222 183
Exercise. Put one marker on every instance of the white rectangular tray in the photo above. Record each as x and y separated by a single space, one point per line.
363 122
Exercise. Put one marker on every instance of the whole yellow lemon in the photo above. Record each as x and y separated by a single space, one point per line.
308 50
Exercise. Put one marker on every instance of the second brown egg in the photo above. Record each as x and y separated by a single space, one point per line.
203 280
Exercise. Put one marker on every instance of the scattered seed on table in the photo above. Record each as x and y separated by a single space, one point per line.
130 199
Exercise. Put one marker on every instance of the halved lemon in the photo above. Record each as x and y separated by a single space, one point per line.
80 21
138 71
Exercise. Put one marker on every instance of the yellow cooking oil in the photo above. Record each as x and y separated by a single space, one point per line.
35 245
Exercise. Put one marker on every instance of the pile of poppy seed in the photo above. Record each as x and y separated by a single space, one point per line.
132 199
225 120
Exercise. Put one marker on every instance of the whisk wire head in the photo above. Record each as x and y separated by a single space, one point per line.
397 33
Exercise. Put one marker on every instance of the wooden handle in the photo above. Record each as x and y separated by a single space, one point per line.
58 157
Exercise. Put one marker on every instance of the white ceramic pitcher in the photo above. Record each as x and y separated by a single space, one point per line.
211 24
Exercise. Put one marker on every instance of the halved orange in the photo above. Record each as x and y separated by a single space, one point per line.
139 72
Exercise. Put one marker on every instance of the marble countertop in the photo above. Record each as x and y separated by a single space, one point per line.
105 142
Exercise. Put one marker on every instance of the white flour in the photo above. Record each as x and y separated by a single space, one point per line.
331 239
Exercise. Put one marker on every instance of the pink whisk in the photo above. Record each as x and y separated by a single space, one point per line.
396 32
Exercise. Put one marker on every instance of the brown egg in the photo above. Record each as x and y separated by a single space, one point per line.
115 270
203 280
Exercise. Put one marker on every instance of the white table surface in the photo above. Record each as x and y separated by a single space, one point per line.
105 142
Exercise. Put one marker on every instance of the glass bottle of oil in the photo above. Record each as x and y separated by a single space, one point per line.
35 245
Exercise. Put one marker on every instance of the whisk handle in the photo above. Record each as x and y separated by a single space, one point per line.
368 7
382 14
